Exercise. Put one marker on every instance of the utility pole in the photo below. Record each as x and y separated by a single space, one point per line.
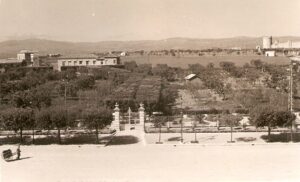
293 60
291 96
181 123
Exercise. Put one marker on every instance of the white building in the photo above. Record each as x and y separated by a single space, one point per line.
268 43
26 55
270 53
87 60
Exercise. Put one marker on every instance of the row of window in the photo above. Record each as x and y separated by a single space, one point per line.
80 62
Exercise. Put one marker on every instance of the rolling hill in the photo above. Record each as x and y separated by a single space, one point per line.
11 47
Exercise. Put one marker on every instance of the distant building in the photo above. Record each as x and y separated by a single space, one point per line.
270 53
236 48
193 79
9 63
87 60
268 43
26 55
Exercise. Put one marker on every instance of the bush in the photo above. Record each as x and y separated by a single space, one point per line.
173 139
282 137
246 139
122 140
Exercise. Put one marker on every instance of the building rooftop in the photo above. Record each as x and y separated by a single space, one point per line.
27 51
10 61
79 56
190 76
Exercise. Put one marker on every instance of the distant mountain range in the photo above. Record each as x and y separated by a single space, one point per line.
11 47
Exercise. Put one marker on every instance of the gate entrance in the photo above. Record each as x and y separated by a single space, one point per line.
129 120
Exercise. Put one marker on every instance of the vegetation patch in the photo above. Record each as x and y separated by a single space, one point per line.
122 140
174 139
282 137
245 139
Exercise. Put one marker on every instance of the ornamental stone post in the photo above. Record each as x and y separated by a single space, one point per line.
141 116
116 115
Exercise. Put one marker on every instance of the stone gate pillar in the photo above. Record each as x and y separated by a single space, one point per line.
116 121
141 116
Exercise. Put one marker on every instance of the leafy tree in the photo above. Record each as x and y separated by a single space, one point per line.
159 121
199 119
41 96
43 119
266 116
257 63
85 82
227 66
164 71
210 66
17 119
58 119
97 118
196 68
21 99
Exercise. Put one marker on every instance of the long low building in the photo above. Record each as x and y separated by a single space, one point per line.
87 60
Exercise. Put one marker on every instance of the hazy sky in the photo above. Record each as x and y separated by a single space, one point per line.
98 20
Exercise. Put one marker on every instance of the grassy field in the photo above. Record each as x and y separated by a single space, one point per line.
183 62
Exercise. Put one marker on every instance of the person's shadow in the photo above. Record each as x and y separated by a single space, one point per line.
22 158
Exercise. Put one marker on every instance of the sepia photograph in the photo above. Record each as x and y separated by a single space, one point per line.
149 90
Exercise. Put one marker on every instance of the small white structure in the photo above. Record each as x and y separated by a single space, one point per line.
270 53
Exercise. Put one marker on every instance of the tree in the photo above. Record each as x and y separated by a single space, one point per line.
97 118
43 119
85 82
227 66
196 68
210 66
58 118
199 119
17 119
266 116
231 120
40 96
257 63
158 122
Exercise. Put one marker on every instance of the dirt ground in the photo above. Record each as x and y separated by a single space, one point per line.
92 163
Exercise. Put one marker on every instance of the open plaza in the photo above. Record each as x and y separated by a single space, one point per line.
137 162
212 159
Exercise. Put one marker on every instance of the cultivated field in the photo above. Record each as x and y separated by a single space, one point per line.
184 61
135 163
